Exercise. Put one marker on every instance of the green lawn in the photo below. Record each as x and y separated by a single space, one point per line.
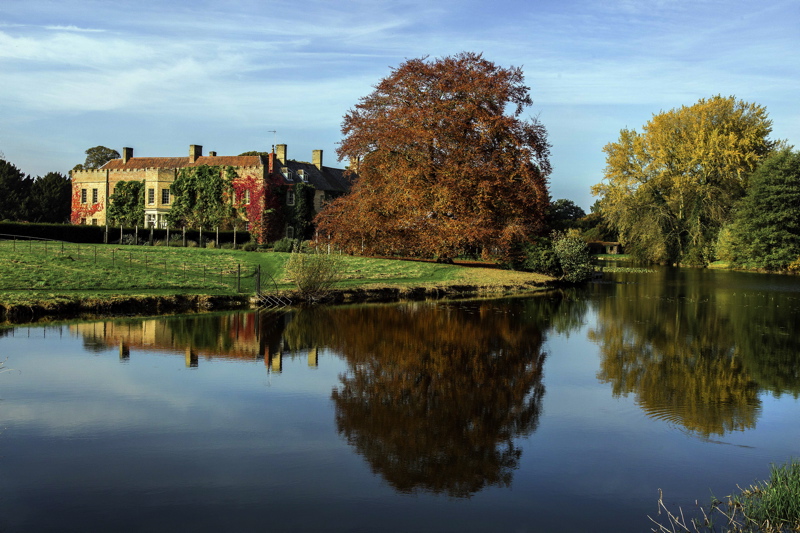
37 271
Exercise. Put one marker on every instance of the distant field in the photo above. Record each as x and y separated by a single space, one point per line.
36 271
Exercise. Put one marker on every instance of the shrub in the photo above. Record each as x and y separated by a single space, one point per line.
540 257
250 246
314 273
573 257
565 256
285 245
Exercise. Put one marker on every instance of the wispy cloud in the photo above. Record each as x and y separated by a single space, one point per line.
299 66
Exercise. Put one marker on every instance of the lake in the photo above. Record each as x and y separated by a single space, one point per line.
564 411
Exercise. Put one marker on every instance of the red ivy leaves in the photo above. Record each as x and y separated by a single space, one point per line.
80 210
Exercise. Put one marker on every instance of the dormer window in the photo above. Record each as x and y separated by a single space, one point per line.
286 173
303 175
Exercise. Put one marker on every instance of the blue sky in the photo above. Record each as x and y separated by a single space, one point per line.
160 76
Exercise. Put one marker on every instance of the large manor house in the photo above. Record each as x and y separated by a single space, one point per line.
257 178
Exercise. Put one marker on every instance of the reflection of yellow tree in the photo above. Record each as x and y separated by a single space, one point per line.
677 353
435 395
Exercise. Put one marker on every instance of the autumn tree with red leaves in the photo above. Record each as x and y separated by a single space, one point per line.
445 164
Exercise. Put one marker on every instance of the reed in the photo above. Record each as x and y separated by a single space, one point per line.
771 506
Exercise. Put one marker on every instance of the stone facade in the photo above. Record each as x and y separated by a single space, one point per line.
258 178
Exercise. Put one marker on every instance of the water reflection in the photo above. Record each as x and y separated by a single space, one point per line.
697 347
434 395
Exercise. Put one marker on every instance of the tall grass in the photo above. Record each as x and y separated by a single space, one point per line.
771 506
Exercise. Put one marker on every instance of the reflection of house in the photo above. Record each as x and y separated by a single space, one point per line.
240 336
262 183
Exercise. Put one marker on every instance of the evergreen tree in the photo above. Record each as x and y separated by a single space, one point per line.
766 232
15 188
49 199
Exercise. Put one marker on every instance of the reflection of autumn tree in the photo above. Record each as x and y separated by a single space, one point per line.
675 349
435 394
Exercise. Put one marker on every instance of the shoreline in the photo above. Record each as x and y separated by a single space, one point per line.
65 307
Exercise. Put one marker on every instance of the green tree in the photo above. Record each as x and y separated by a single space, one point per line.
127 204
766 231
15 187
445 163
669 190
49 199
595 227
202 197
96 157
564 214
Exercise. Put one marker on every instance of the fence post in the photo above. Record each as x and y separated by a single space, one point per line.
136 234
184 236
217 237
120 234
167 236
238 277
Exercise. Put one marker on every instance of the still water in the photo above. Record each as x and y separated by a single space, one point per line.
559 412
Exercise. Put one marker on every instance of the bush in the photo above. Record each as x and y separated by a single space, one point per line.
285 245
573 257
540 257
314 273
250 246
564 256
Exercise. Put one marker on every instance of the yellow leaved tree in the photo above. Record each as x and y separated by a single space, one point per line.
669 189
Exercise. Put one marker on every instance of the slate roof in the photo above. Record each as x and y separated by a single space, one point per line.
141 163
326 179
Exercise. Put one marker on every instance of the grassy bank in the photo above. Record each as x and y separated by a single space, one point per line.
771 506
48 277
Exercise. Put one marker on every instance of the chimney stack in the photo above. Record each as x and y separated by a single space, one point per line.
354 161
127 155
316 158
212 154
195 153
280 153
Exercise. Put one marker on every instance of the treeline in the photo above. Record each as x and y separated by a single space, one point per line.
704 183
42 199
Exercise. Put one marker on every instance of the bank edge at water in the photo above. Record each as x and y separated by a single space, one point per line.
128 305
